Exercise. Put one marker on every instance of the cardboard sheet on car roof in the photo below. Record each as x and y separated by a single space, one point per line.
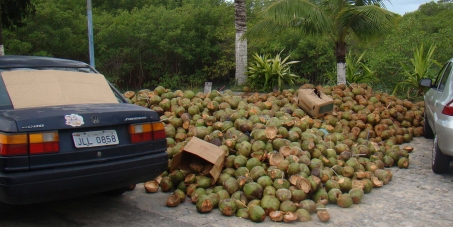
36 88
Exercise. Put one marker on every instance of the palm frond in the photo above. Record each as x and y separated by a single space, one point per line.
366 22
296 14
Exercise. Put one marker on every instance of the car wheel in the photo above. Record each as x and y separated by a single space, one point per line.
440 161
115 192
427 130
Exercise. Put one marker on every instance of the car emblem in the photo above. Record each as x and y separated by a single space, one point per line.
95 119
99 154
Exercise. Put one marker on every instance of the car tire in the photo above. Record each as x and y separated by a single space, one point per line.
115 192
427 130
440 161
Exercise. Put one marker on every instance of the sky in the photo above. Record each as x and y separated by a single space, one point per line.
404 6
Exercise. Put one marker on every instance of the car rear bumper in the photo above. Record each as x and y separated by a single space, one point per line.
59 183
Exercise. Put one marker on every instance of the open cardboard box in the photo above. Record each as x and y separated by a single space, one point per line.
314 102
213 155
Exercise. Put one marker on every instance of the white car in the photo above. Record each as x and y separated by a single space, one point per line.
439 117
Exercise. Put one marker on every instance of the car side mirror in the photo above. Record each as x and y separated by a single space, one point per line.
426 83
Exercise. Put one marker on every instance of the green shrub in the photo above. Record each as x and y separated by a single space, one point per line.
267 74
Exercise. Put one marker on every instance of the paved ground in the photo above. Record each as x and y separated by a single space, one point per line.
414 197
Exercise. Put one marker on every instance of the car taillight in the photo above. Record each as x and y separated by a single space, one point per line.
448 109
146 132
13 144
44 142
32 143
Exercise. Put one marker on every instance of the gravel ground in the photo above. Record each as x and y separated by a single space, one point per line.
414 197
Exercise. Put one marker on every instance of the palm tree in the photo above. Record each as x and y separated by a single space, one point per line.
339 19
240 43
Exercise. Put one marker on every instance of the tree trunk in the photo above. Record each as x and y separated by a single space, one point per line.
340 53
240 44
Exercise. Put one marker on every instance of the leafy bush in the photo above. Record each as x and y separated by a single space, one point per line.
267 74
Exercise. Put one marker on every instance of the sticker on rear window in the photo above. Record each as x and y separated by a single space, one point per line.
74 120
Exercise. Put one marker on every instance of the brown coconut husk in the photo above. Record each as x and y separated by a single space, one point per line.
151 186
275 159
276 215
173 200
376 182
303 184
323 215
289 217
408 148
271 132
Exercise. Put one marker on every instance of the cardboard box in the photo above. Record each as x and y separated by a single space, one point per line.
36 88
213 155
314 102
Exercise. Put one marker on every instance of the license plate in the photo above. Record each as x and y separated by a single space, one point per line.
95 138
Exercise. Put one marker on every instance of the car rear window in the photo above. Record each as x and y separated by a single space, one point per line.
35 88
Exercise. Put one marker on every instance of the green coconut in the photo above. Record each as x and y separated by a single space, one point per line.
241 171
269 190
283 194
239 161
244 148
321 196
309 205
281 183
196 194
227 207
223 194
275 174
331 184
288 206
242 180
345 184
344 200
204 182
403 162
242 213
333 195
204 205
303 215
270 203
231 185
166 184
253 190
263 180
181 195
298 195
182 186
252 162
215 199
356 195
256 213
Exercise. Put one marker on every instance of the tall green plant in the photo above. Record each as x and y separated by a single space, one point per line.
419 70
357 71
265 73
